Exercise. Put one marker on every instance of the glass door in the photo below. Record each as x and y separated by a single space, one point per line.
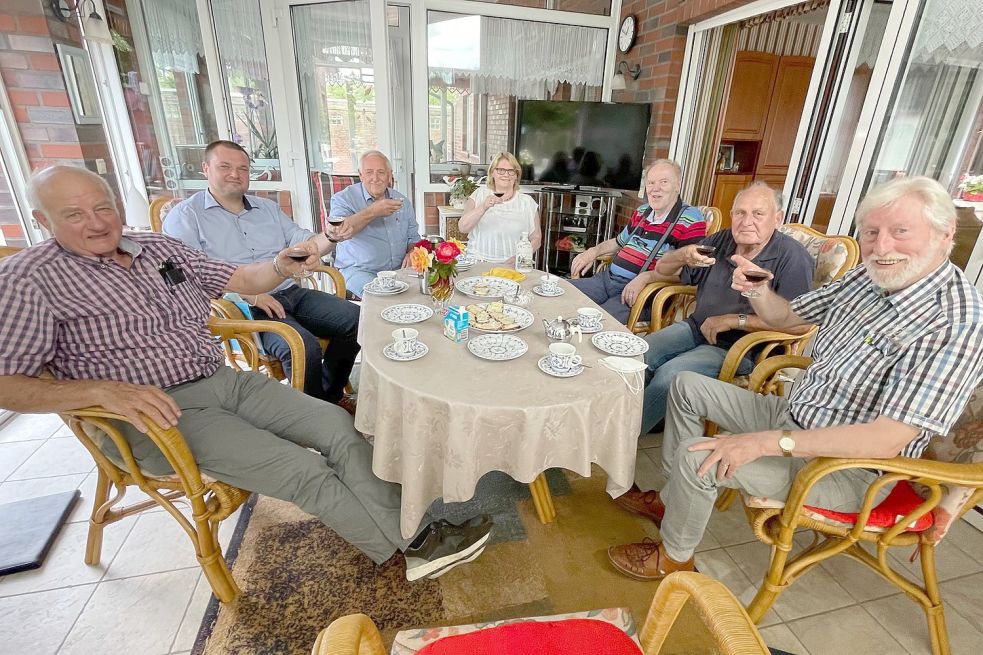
340 93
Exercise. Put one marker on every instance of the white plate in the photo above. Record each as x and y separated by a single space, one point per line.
544 366
406 314
518 315
538 290
497 286
466 260
622 344
373 289
419 350
497 347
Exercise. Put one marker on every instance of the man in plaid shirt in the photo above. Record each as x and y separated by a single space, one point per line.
898 353
120 322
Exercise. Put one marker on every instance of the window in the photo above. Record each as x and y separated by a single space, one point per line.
479 66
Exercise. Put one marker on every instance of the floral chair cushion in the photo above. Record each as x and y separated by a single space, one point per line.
411 642
830 254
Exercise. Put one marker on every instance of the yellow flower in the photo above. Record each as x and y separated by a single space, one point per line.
420 259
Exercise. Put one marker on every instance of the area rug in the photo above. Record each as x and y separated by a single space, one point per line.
297 575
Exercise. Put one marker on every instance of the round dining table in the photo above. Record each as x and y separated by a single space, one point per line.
442 421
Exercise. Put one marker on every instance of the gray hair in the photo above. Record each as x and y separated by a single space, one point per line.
937 206
374 153
677 169
776 195
44 176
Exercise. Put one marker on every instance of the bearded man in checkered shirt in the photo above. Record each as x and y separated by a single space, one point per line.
898 353
94 307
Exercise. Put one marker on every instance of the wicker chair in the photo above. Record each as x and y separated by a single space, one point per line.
947 481
726 620
211 501
158 210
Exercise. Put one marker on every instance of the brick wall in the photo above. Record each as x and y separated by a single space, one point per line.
659 49
497 135
31 73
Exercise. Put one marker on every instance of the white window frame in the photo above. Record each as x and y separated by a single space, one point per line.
17 168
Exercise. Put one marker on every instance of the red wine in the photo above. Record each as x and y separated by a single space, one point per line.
298 257
755 276
499 194
706 250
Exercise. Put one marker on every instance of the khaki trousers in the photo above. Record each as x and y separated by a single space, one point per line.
689 498
247 430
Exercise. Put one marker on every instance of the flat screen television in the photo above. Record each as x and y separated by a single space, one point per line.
588 144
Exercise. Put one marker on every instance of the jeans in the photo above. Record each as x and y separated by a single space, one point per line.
671 350
605 290
317 315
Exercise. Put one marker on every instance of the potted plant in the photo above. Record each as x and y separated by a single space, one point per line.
971 187
461 189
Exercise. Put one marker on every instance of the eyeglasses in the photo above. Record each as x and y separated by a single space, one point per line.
507 172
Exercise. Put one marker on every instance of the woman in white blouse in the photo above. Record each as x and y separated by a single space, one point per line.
496 215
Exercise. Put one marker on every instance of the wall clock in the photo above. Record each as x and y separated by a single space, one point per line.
626 35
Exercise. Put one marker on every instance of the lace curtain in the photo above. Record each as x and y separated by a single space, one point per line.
174 34
951 31
528 59
335 34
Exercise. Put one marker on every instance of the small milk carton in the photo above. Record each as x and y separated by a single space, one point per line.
456 324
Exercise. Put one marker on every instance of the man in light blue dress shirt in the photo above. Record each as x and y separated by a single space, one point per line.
225 223
379 226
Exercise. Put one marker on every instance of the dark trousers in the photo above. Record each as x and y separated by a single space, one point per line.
314 315
605 289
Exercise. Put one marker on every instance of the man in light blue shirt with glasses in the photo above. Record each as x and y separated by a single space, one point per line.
378 225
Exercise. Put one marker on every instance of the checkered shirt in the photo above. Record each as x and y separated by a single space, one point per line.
914 355
92 319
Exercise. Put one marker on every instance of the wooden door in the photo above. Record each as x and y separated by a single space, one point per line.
787 100
725 187
750 94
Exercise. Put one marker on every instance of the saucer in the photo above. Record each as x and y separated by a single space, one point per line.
497 347
544 366
538 290
592 330
622 344
406 314
419 350
374 289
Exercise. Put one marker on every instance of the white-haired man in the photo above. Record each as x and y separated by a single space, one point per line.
898 353
95 308
379 228
665 222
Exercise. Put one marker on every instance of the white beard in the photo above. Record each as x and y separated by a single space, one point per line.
906 273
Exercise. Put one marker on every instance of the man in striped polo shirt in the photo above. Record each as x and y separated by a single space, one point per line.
898 353
633 267
120 321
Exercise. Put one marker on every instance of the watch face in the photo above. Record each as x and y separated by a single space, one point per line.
787 444
626 36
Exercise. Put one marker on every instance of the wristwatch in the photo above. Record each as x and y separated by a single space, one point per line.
741 321
786 443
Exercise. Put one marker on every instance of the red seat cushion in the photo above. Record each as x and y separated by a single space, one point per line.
901 500
538 638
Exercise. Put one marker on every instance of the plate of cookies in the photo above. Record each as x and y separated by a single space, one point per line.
497 317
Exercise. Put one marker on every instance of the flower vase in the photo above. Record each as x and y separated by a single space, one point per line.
425 283
458 203
440 294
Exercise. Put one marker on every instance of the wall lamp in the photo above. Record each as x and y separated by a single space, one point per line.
618 80
64 9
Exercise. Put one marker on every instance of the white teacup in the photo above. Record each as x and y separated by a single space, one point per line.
563 357
386 279
549 283
589 318
404 340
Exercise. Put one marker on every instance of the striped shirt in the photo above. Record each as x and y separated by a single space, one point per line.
914 355
641 235
91 319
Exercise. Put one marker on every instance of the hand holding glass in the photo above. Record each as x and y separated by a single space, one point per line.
706 251
754 277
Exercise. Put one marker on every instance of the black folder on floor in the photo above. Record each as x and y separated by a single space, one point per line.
30 527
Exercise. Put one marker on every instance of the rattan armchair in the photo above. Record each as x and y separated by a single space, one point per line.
210 501
948 489
723 616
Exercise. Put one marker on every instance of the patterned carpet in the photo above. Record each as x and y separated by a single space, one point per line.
297 575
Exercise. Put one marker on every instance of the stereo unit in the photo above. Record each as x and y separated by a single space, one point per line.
582 205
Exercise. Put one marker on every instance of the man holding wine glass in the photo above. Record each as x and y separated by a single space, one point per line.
226 223
898 353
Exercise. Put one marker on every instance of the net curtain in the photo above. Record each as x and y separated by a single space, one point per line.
528 59
174 34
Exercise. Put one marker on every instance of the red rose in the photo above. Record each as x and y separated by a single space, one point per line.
446 252
425 244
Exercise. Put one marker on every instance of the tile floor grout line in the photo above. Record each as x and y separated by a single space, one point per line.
61 644
41 443
187 607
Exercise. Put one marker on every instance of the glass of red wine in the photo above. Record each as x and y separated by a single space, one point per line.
499 194
706 251
754 276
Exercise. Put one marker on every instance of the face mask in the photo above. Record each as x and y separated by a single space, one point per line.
630 370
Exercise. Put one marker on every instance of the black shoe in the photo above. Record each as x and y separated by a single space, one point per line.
443 546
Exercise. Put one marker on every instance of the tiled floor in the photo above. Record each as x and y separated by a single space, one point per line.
148 595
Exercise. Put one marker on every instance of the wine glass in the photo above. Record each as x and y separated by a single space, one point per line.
706 251
754 276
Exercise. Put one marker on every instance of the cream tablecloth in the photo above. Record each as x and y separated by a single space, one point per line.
441 422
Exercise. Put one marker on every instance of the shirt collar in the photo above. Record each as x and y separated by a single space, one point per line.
917 292
369 199
125 245
210 201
